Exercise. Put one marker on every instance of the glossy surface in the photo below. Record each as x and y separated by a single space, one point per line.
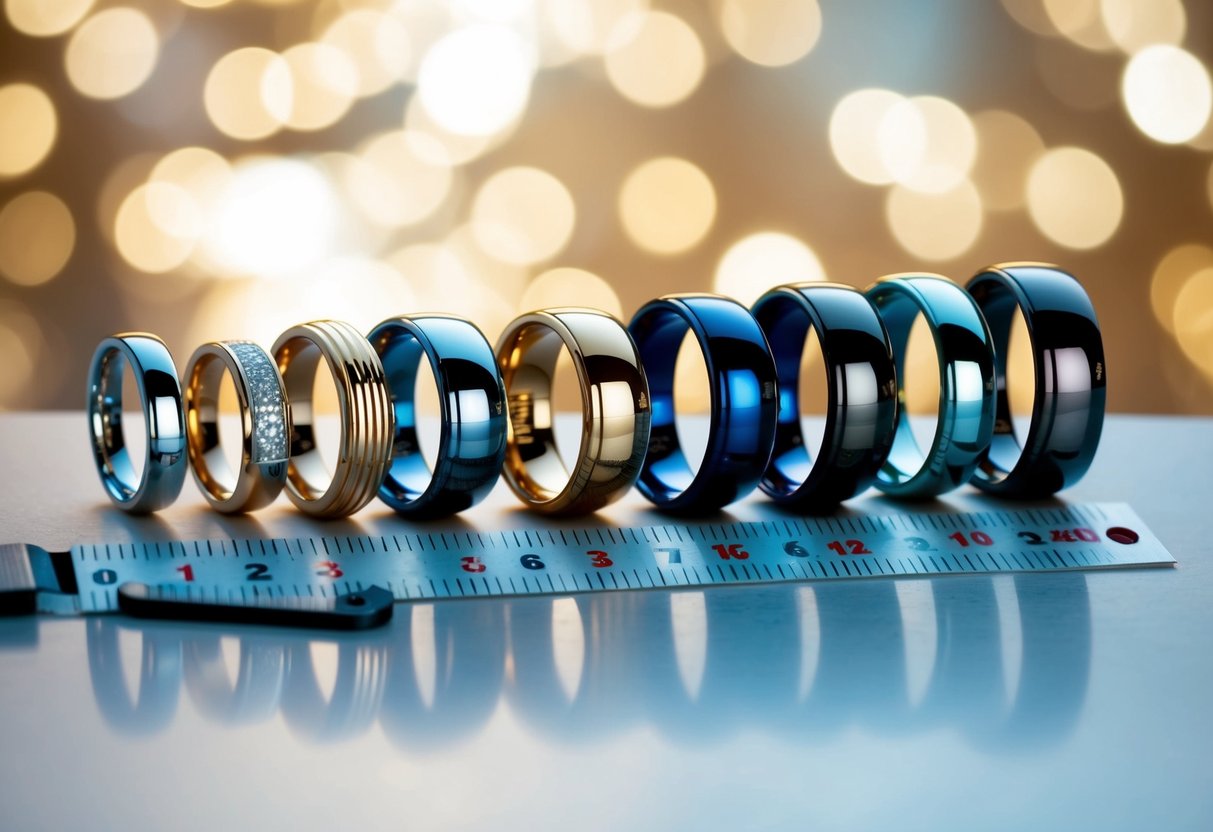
263 414
966 384
614 408
861 394
471 402
961 703
164 464
1070 380
743 409
365 446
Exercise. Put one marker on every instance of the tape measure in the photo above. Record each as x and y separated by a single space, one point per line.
319 575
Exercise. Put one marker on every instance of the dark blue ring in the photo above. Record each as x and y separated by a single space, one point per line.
861 397
966 384
471 399
1071 380
744 401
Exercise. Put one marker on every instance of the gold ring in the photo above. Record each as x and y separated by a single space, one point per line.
614 407
366 418
265 420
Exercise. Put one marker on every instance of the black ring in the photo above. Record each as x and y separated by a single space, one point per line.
1071 380
861 399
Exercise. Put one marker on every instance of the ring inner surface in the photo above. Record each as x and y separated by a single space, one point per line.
210 463
116 456
533 455
905 459
666 471
306 471
409 475
787 328
1005 451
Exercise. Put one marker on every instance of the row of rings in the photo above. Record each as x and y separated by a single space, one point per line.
497 414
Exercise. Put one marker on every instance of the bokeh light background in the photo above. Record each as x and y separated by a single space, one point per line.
210 169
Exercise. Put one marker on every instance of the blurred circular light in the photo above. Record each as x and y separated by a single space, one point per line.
1031 15
378 45
855 127
476 80
654 59
237 90
397 180
586 26
37 235
1194 320
935 226
755 263
499 11
1174 270
522 215
667 205
1135 24
453 148
45 18
276 217
771 32
200 172
949 143
1007 148
146 228
205 4
112 53
570 287
1168 93
1074 198
28 126
1080 21
324 81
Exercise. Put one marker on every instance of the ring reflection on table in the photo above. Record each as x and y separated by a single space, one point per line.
164 463
365 447
966 384
861 393
744 404
265 425
614 409
1070 380
471 402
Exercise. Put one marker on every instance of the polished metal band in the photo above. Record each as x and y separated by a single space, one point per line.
1071 379
265 425
861 394
365 445
471 401
614 404
744 402
160 397
966 383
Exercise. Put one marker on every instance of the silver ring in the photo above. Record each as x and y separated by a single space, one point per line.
160 397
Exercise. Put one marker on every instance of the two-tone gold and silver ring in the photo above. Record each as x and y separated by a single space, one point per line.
614 409
365 444
265 425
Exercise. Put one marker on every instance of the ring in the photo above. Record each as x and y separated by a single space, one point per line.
471 399
164 461
744 402
366 418
265 421
966 383
614 408
1071 380
861 393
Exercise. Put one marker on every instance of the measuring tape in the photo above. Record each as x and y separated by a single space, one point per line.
316 571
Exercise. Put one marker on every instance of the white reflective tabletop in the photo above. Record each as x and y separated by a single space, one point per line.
1052 701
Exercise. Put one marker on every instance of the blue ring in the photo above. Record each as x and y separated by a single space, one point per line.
1071 380
861 393
471 399
744 401
165 462
966 384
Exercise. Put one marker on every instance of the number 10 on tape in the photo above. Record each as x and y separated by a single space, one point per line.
539 561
